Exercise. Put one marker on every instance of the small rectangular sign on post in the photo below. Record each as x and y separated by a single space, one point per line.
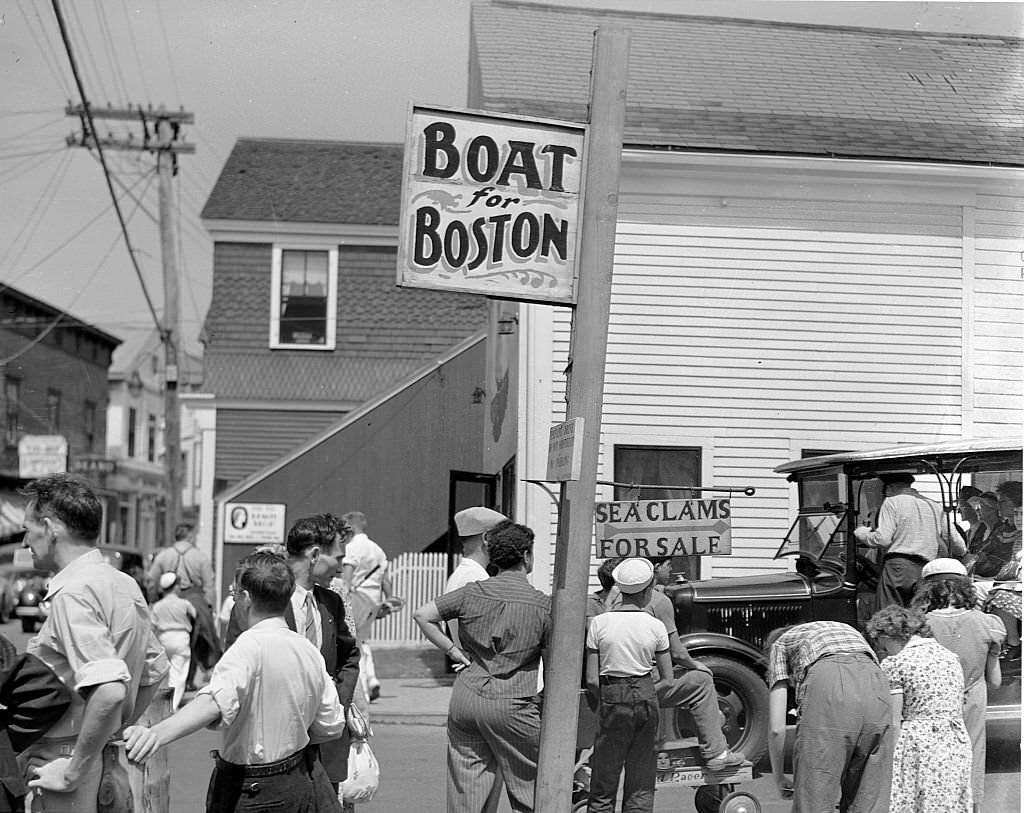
663 528
491 205
565 451
254 522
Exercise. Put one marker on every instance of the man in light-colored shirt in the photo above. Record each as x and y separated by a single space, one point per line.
472 525
910 530
97 638
195 583
271 696
364 574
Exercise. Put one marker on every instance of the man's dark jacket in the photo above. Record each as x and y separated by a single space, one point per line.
33 698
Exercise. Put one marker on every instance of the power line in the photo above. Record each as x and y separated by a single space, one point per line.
111 51
26 166
36 129
45 52
33 218
61 316
84 48
167 48
55 250
135 47
103 161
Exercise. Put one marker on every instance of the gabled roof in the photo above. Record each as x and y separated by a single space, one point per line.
292 180
752 86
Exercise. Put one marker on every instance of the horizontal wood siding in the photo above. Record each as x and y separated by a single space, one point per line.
249 439
750 322
375 317
998 313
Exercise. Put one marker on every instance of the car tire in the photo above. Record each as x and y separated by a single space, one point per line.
743 698
28 625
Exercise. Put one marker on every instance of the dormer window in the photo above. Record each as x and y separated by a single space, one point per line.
304 298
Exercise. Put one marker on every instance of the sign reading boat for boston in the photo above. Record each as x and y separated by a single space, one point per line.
491 205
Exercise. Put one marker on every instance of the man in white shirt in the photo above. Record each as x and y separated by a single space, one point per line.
472 525
364 576
271 695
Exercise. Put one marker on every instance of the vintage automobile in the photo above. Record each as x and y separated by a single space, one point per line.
30 606
725 621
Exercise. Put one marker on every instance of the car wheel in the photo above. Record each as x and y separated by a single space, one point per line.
743 699
28 625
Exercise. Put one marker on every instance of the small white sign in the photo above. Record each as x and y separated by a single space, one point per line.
565 451
663 528
40 455
256 523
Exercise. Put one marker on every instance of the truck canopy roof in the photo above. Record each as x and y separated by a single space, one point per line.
966 454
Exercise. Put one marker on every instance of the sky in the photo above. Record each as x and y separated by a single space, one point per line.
321 69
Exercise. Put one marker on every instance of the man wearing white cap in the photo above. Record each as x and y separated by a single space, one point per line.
472 525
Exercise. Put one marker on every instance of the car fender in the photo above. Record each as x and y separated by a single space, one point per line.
715 643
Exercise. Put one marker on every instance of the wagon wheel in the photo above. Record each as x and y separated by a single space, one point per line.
708 798
739 802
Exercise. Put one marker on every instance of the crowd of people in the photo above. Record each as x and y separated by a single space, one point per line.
893 720
282 685
889 720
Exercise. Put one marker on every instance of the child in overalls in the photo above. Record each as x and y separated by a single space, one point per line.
622 646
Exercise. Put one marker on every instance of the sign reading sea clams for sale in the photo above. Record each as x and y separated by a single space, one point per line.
491 205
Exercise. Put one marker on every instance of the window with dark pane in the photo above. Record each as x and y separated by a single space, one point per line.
12 410
664 472
304 280
89 425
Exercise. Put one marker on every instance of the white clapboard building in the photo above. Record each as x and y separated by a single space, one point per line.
820 248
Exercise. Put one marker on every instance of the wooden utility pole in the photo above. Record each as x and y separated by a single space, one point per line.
160 135
585 394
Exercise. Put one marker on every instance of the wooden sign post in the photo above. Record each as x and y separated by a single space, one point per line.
585 394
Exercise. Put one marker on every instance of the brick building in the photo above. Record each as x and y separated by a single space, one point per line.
54 370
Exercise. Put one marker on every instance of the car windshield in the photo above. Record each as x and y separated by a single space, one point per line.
816 534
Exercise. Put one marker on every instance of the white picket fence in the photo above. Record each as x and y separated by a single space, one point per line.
418 578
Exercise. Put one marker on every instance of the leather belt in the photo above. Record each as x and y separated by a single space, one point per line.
265 769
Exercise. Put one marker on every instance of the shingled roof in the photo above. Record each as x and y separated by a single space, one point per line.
289 180
751 86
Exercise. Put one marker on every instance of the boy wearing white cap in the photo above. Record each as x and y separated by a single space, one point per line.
173 617
622 645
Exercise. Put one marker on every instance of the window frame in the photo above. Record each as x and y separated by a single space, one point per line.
275 297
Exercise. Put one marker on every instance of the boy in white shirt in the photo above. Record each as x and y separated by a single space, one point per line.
622 646
173 617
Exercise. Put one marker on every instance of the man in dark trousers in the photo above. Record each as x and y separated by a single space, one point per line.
910 531
195 583
313 550
271 697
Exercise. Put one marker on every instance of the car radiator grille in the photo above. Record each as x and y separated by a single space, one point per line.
751 622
